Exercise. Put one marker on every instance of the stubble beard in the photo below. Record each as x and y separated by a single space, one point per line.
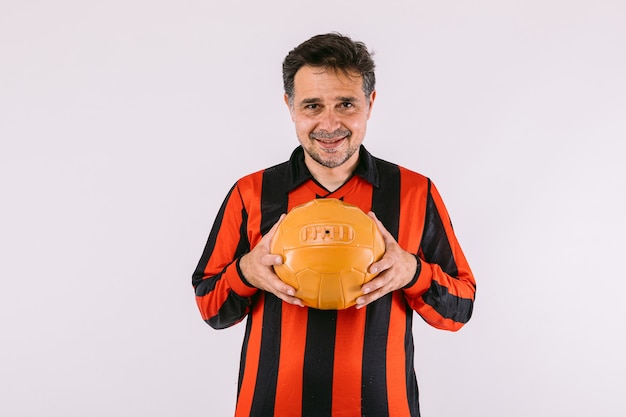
330 162
330 158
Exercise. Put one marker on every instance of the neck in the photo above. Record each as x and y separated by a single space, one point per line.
332 178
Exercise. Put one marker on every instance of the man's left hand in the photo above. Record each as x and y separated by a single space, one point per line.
395 269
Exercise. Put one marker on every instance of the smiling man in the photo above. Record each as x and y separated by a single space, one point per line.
301 361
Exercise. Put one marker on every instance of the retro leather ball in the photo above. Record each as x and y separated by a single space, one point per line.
327 247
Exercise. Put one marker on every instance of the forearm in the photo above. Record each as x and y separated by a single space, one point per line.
444 301
222 295
444 289
224 298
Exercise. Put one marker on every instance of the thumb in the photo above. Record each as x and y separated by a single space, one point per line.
270 234
381 227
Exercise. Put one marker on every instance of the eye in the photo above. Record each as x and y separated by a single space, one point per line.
312 106
347 104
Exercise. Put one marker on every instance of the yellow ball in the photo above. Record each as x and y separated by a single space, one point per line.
327 248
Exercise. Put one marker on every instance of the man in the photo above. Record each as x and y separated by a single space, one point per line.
300 361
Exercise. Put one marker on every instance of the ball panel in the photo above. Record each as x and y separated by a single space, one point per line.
287 275
352 281
308 286
330 295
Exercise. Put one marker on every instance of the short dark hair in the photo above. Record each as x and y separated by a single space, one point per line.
330 51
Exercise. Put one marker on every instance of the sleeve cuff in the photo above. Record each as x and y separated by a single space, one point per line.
421 281
238 282
417 273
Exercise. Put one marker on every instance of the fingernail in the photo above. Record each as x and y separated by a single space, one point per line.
366 290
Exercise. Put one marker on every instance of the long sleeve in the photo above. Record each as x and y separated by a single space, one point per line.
222 294
444 288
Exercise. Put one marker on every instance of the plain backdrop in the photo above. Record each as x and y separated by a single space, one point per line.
123 124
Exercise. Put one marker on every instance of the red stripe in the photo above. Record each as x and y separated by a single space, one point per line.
289 384
294 323
348 363
434 318
413 188
361 196
396 358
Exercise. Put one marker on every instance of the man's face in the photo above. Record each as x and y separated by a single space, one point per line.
330 111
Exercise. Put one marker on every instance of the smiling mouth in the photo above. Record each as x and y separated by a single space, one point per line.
331 144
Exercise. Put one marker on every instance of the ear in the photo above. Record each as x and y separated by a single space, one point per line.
289 106
371 103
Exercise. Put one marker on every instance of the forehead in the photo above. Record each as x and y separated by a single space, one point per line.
316 80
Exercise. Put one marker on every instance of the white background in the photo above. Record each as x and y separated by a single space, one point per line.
124 123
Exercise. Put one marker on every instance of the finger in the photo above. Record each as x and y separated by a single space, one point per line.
293 300
364 300
382 265
287 293
278 287
284 288
390 257
375 284
271 259
372 291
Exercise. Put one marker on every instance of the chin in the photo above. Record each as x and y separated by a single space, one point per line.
332 162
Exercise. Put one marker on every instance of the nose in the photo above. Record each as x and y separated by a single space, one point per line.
329 120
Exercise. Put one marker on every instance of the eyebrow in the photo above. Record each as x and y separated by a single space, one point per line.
314 100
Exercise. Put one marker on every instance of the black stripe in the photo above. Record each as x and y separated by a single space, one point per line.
232 311
374 398
435 245
264 398
274 199
274 202
386 206
411 380
317 381
207 285
386 197
243 246
447 305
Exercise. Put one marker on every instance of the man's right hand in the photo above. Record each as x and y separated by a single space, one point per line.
257 268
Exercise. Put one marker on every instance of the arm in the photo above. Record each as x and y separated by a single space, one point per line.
229 273
443 288
222 294
437 283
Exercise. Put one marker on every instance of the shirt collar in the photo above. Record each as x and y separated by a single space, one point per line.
299 173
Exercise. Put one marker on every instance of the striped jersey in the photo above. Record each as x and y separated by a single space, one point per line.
299 361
